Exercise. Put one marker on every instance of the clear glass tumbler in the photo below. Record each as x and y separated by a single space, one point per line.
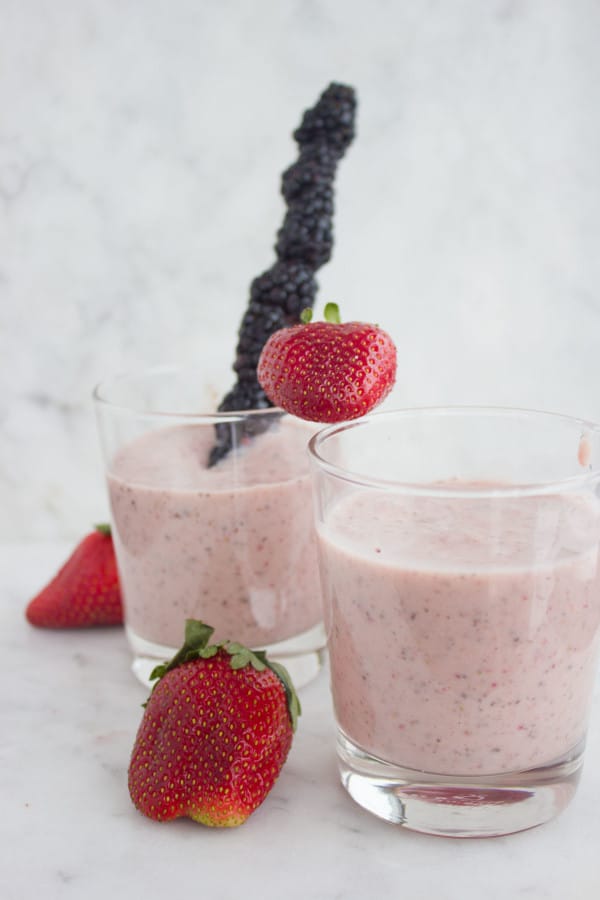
228 537
460 570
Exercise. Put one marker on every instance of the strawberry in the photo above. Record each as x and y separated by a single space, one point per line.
216 731
328 371
86 589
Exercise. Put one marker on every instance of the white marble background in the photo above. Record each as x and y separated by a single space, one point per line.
141 145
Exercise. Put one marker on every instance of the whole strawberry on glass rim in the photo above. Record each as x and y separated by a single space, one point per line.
328 371
216 731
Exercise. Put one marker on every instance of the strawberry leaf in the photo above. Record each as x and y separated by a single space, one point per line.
241 656
197 636
158 671
240 660
293 703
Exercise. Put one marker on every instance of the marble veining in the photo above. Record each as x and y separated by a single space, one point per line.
140 156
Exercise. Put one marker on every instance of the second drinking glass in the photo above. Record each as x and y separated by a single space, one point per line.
212 519
460 553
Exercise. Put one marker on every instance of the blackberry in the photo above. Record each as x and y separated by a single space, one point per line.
331 120
287 285
315 167
306 234
231 434
304 243
315 200
243 396
258 324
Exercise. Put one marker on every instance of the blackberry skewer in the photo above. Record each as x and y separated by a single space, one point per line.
304 244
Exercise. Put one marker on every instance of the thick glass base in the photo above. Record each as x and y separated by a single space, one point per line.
302 655
458 806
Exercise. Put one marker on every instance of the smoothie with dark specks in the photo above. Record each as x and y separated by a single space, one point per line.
476 657
232 544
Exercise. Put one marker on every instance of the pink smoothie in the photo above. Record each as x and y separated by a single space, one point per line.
233 544
449 655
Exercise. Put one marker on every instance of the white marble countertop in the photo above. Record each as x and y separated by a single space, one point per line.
70 710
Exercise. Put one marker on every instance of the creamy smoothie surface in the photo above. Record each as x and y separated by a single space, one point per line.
476 655
232 544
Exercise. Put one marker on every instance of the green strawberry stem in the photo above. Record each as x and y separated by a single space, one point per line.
196 646
331 313
103 528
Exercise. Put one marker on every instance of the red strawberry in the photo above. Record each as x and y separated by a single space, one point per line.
86 589
216 731
327 371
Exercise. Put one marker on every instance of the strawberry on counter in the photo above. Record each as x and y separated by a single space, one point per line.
215 734
86 589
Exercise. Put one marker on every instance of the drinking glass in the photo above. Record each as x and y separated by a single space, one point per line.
460 572
211 518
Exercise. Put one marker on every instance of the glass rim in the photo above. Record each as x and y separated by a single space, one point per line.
204 416
571 482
